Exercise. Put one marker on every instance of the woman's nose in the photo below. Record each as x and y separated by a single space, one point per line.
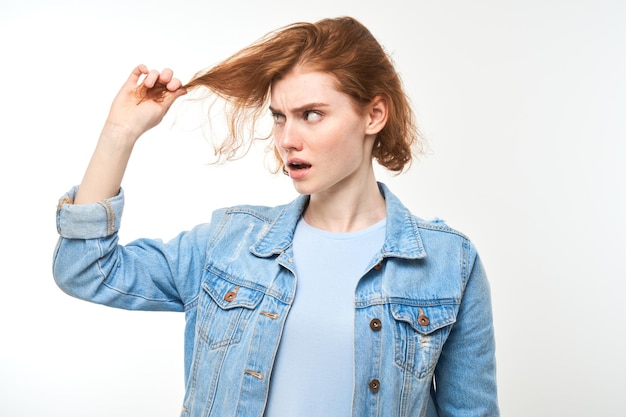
287 136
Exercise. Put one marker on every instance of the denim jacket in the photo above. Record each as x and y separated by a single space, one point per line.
424 342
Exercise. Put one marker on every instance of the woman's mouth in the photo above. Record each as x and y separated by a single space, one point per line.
298 165
298 169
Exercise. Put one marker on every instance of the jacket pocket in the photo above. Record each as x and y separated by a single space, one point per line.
224 310
419 335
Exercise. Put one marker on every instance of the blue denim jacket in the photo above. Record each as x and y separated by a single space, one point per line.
424 343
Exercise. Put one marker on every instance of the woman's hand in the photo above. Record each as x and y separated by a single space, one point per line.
138 107
141 104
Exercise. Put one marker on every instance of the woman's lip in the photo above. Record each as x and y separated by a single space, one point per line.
296 174
295 161
298 168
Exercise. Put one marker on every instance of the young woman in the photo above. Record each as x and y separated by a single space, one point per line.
339 303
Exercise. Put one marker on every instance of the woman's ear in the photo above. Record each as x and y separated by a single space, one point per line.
377 111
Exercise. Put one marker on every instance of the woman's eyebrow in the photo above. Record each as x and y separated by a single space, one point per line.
299 109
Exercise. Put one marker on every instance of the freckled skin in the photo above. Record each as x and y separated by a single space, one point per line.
319 125
326 143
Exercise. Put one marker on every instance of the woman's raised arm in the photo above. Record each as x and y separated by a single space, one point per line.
131 115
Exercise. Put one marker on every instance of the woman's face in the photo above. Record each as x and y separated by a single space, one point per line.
324 142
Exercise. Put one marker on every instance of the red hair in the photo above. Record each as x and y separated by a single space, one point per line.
342 47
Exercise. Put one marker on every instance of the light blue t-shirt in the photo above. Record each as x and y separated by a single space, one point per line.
314 369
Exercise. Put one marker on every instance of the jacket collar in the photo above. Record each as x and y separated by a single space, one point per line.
402 238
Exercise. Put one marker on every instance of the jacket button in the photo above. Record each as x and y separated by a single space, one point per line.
231 295
376 325
374 385
378 266
423 320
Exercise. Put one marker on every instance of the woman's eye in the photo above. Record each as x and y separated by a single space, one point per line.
278 118
312 116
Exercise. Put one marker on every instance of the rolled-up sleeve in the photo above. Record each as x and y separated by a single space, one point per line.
145 274
89 221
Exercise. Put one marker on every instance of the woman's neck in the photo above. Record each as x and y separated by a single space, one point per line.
347 210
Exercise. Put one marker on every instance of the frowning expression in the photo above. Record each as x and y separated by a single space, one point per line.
324 140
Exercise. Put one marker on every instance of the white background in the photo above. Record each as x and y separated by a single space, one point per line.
523 103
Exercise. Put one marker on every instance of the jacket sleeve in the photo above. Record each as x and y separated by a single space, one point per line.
465 376
146 274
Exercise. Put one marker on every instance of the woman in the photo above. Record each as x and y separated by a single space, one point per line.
390 315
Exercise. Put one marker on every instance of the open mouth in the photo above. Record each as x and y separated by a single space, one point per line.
296 166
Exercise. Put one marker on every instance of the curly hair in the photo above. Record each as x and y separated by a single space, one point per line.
342 47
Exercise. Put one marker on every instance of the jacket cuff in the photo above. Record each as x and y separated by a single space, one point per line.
89 221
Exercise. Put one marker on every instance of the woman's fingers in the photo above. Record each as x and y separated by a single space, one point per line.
174 84
145 98
154 77
138 71
166 76
151 79
174 92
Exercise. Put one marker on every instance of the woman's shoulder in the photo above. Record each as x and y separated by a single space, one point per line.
437 225
440 238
